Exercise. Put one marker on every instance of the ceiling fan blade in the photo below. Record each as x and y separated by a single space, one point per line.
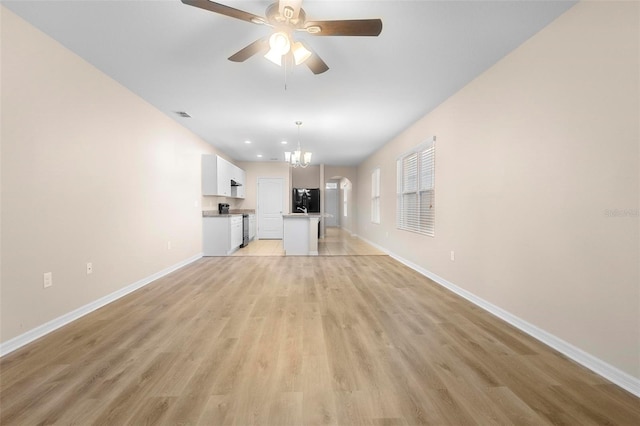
258 46
354 27
225 10
316 64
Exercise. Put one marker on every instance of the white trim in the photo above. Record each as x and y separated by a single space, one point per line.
425 144
604 369
46 328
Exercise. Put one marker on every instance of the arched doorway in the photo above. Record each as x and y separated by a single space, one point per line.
339 203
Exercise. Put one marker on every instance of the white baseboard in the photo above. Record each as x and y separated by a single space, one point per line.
598 366
46 328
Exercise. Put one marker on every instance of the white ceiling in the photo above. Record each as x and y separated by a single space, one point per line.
175 57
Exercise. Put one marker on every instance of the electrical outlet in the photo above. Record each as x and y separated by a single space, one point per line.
47 279
453 255
89 268
168 245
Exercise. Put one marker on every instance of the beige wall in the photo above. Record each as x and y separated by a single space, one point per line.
306 178
254 171
351 173
90 173
537 184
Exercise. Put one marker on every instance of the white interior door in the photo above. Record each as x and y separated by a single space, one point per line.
270 208
331 206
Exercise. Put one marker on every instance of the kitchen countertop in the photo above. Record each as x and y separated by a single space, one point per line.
301 215
214 213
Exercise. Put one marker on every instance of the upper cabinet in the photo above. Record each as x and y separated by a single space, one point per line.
221 178
211 185
237 182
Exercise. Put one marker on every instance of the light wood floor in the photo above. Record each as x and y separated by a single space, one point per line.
336 242
299 340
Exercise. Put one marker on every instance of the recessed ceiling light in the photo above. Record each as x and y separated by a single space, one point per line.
283 142
259 155
247 142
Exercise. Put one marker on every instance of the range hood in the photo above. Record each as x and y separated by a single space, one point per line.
234 183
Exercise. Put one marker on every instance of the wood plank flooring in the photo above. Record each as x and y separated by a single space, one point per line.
299 341
336 242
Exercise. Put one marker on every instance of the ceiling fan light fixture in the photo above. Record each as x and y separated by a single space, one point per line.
300 53
274 57
280 43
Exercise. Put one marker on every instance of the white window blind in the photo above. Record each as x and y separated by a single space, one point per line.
416 189
375 196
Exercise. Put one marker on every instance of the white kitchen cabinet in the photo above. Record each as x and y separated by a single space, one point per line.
221 235
236 232
217 174
224 182
210 175
239 177
252 227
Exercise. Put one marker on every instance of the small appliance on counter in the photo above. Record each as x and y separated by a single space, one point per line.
223 208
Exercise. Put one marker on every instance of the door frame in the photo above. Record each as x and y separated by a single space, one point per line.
332 208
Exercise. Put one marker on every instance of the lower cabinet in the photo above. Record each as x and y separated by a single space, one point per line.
236 232
221 235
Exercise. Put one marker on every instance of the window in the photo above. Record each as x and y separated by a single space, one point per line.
375 196
416 197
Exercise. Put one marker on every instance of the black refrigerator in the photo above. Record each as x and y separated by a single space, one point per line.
306 199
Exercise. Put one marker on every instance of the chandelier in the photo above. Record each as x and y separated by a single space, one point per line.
298 158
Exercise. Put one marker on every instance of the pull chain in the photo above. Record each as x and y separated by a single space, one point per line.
286 61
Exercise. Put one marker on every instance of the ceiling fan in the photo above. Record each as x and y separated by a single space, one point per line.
287 17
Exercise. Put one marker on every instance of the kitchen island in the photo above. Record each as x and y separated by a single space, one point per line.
300 236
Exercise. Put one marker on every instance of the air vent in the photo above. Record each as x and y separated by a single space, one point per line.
183 114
